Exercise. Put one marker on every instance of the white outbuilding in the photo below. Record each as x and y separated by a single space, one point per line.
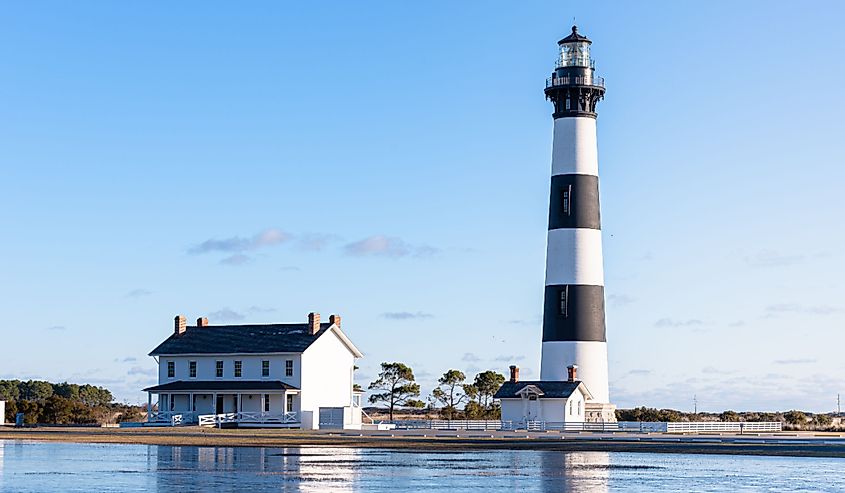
280 375
551 402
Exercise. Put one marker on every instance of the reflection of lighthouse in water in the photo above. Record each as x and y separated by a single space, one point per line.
575 472
573 311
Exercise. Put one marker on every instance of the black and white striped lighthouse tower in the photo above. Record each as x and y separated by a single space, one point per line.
573 313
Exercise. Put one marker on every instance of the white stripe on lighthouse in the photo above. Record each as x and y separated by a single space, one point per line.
591 358
574 256
575 149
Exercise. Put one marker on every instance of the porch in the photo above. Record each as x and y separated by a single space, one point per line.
225 403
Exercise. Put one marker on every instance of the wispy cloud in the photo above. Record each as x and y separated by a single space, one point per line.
639 371
406 315
260 309
798 361
387 246
138 293
289 268
236 244
56 328
137 370
770 258
506 358
470 358
713 370
316 242
670 322
235 260
795 308
738 323
225 315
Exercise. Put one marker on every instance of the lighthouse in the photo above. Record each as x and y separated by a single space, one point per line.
573 309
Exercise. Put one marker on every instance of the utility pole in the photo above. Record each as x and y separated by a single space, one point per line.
695 403
838 405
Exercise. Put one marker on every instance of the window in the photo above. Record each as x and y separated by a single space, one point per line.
571 407
564 301
579 408
192 369
289 403
238 368
566 200
219 369
265 368
289 368
171 369
266 403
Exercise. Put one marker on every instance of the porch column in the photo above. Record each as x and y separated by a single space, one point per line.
240 403
149 406
214 402
262 404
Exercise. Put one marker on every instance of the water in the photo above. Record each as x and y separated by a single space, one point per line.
66 467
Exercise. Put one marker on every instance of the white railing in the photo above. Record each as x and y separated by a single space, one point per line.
577 81
620 426
704 426
248 418
175 418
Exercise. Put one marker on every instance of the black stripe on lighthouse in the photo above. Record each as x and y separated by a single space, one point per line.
574 202
574 312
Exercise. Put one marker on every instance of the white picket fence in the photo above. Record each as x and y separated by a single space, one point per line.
620 426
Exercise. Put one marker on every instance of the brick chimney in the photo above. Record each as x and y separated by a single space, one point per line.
514 374
180 325
313 323
572 370
335 319
202 322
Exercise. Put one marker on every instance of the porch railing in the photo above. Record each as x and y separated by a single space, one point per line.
248 418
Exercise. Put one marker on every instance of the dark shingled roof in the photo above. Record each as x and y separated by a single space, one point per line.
224 385
551 390
240 339
575 38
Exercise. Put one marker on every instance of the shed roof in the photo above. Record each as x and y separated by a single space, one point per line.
550 389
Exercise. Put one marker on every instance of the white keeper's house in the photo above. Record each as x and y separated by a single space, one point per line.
552 402
282 375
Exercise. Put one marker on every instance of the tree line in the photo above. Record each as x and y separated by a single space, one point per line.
396 387
62 403
792 420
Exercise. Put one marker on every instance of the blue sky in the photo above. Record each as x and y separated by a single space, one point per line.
390 162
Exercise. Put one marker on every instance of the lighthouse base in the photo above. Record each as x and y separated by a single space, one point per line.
598 412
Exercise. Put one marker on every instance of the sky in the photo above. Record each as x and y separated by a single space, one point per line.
389 162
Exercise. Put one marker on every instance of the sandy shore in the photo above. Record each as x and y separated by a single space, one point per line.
807 445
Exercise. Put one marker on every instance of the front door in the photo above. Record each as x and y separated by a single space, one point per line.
219 405
533 408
